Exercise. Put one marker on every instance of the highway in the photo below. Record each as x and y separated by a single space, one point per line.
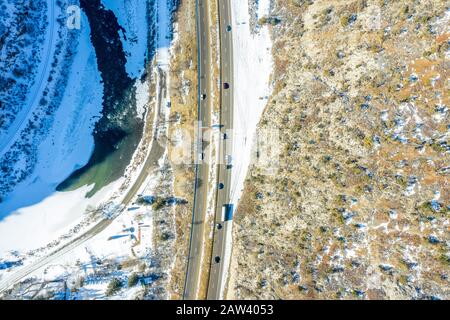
223 223
196 244
221 228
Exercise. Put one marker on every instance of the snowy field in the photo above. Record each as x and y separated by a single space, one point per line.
128 237
252 69
163 41
36 226
67 147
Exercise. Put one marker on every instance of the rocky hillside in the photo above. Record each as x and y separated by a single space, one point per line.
359 206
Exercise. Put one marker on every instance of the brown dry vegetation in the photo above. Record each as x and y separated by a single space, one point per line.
363 114
183 74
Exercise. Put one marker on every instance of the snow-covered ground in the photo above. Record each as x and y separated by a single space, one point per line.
68 146
48 50
252 70
69 142
163 40
127 238
38 225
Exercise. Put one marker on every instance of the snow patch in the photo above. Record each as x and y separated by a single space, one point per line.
252 69
38 225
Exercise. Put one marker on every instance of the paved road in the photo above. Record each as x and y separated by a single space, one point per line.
222 229
194 263
151 164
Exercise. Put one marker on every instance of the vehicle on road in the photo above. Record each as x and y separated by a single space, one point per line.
228 28
226 85
199 183
203 96
221 186
228 212
217 259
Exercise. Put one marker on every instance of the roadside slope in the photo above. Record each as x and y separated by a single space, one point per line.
358 207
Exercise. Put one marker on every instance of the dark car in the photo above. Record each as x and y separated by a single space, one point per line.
226 85
221 186
203 96
219 226
228 28
217 259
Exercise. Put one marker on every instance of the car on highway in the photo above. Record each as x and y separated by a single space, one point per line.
221 186
226 85
219 226
227 212
228 28
203 96
217 259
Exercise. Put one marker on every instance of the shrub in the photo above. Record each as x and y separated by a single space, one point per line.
133 280
113 286
159 204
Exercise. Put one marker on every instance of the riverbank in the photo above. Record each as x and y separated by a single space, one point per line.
147 174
